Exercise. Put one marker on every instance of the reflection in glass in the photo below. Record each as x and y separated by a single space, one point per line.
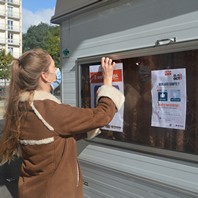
138 104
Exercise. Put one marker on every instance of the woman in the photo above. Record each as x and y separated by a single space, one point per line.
44 131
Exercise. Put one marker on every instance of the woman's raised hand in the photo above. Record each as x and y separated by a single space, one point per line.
107 69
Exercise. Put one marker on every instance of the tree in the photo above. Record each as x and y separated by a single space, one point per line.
5 61
36 37
54 44
46 37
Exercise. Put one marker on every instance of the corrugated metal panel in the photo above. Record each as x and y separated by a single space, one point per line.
122 174
130 26
69 88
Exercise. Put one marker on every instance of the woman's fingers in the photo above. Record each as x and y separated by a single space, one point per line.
107 62
107 67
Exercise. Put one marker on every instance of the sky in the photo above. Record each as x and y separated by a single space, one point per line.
37 11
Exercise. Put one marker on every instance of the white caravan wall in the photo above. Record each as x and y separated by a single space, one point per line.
123 25
120 26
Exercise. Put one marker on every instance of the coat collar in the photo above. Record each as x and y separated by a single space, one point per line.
38 95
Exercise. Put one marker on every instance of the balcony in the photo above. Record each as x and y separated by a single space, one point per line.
14 15
13 42
13 2
2 41
2 27
2 1
2 13
13 28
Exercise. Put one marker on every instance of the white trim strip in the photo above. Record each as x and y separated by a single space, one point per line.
37 142
41 118
78 174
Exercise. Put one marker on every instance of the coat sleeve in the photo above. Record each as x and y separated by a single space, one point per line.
68 120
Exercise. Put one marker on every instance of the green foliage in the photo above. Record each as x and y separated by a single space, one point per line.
5 60
54 44
46 37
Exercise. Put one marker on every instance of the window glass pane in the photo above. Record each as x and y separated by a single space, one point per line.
10 37
138 104
10 49
10 11
10 25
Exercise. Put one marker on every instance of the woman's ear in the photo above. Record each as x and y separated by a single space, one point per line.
44 76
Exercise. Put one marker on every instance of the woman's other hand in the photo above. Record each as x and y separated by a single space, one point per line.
107 68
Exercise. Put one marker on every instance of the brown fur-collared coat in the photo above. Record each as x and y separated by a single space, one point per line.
48 142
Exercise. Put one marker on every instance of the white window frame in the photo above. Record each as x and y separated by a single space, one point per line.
11 50
177 47
10 11
10 37
10 24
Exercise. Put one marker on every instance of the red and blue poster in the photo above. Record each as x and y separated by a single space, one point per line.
96 80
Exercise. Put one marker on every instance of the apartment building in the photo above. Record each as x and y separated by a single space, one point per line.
11 26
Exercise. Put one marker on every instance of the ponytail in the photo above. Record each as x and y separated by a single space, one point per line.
25 75
9 139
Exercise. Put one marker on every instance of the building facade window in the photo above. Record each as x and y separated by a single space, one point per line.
11 50
10 25
10 11
10 1
10 37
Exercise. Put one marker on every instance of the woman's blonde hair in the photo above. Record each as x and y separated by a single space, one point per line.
25 75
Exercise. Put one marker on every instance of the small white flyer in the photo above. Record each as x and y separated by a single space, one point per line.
169 98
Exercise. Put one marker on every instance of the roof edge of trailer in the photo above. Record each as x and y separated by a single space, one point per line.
62 13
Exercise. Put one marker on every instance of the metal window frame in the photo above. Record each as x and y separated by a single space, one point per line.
153 50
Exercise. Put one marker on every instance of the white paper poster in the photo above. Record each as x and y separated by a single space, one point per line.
169 98
96 80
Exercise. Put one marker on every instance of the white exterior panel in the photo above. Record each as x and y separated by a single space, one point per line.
116 27
126 26
126 174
